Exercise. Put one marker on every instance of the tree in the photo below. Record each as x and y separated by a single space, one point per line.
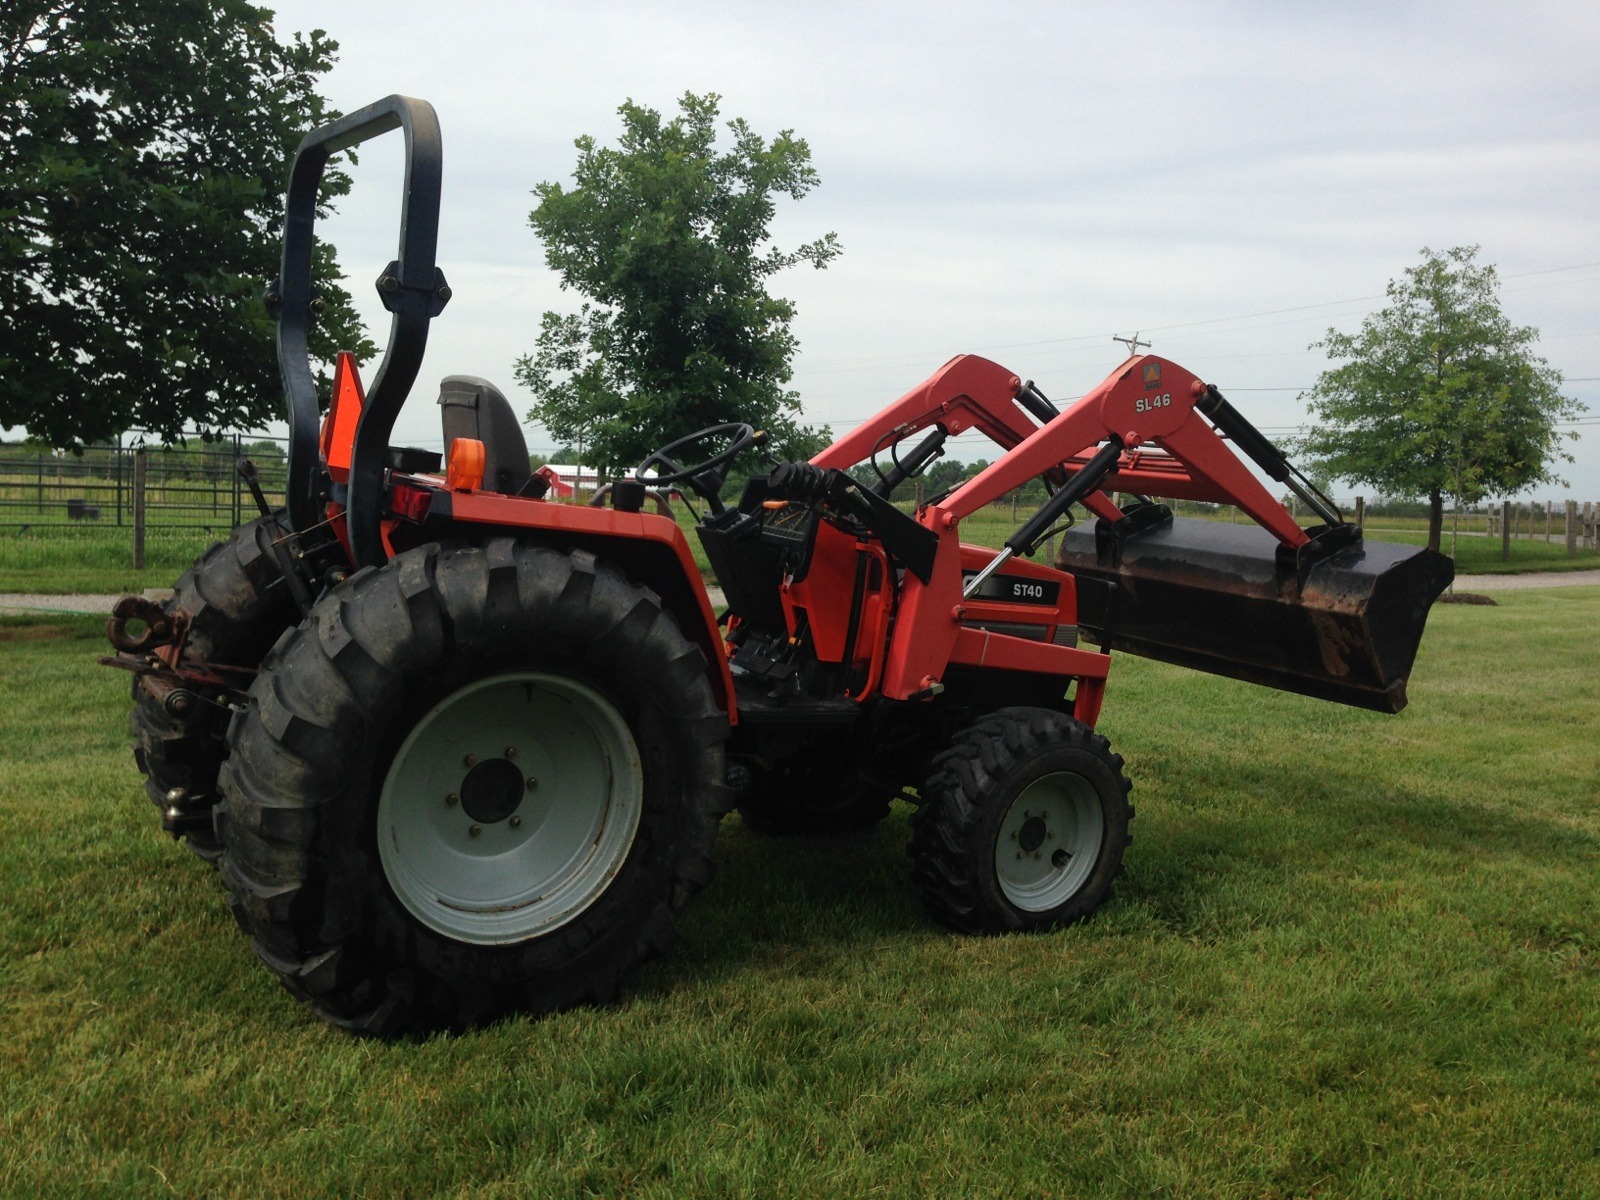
144 147
667 237
946 473
1439 395
264 453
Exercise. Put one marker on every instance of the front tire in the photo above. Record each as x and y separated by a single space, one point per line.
385 851
1023 824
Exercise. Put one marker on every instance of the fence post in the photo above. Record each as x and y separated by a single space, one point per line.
119 481
140 466
1505 531
1547 521
1572 528
1361 512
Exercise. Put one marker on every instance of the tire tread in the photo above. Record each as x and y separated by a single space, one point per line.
307 888
948 844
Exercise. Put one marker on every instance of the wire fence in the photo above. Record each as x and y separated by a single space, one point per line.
121 496
131 492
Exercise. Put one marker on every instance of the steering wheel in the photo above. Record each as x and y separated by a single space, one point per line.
705 478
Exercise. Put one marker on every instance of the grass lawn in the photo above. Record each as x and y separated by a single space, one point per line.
1481 555
1352 955
96 560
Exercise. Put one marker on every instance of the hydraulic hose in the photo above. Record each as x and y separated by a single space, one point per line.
1026 539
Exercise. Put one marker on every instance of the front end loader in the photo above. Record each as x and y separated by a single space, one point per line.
458 749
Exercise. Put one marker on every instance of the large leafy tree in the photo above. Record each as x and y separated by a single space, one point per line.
667 237
1439 395
144 147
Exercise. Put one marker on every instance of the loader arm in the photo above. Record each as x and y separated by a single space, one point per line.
967 394
1309 610
1145 401
1153 406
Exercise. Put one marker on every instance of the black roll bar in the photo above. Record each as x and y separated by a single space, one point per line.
412 288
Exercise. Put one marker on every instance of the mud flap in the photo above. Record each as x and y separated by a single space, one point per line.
1220 598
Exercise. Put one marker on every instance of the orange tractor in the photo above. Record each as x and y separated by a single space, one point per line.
459 750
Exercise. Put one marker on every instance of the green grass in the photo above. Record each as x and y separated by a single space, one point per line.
89 559
1481 555
1352 955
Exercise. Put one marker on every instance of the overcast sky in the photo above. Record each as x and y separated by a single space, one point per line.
1024 180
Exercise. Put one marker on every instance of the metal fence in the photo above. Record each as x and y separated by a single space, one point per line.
135 488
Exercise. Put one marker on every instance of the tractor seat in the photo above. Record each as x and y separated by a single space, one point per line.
470 407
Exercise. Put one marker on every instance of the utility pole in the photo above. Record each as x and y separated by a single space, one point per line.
1132 343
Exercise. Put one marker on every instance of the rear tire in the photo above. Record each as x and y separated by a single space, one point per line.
399 885
238 605
1023 824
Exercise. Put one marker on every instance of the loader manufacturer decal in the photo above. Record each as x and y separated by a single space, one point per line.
1152 375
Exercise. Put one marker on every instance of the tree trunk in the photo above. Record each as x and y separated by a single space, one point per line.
1435 519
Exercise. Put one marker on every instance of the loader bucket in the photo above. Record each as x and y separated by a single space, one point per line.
1217 598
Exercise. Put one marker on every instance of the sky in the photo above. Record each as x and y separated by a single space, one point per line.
1022 181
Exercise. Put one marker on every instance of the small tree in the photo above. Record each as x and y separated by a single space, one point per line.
667 237
1439 394
144 147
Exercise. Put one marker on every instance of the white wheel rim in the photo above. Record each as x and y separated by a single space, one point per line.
476 853
1049 842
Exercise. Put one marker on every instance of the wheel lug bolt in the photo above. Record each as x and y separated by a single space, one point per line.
532 783
516 822
511 751
475 830
452 800
471 760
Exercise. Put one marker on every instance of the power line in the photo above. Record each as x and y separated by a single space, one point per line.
1274 312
